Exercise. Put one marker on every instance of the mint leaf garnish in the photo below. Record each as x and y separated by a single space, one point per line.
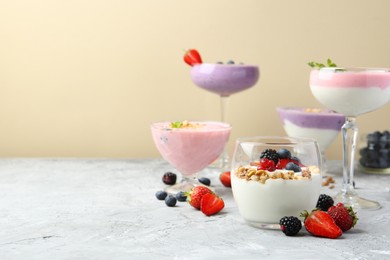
329 63
176 124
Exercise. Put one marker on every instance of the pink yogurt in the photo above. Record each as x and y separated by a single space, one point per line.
224 79
190 150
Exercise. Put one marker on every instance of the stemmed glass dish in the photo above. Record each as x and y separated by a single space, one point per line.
224 80
320 124
352 92
264 194
190 147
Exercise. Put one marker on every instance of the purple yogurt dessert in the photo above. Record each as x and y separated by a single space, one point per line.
224 79
320 124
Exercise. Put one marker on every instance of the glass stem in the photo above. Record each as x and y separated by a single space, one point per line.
350 132
224 158
224 105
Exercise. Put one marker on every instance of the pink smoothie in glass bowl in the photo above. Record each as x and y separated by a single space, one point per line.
191 149
351 92
224 79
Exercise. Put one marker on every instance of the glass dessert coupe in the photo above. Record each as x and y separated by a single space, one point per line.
224 80
352 92
266 194
190 147
322 125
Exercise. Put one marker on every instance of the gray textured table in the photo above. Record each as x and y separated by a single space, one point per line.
106 209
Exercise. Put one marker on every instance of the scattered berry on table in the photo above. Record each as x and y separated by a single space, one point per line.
161 195
344 216
181 196
169 178
170 200
290 225
324 202
195 195
211 204
270 154
225 179
293 167
204 181
284 154
319 223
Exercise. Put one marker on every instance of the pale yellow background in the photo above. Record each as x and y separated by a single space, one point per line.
85 78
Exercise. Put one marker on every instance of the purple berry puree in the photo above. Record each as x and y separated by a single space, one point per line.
312 118
224 79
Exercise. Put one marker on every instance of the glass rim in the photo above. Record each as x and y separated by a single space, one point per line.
223 124
352 69
273 140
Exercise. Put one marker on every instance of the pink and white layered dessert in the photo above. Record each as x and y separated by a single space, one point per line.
351 92
322 125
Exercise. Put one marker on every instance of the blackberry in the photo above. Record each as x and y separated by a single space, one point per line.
293 167
324 202
290 225
169 178
270 154
284 154
161 195
170 201
205 181
181 196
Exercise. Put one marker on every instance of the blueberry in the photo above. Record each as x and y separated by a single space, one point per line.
219 62
294 158
169 178
181 196
230 62
161 195
205 181
293 167
170 200
284 153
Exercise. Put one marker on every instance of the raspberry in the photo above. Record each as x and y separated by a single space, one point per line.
270 154
324 202
267 164
290 225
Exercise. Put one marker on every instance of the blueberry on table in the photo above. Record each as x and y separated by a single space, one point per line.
170 201
161 195
204 181
181 196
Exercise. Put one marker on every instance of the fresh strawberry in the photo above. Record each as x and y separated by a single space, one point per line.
321 224
267 164
282 163
195 195
211 204
192 57
344 216
225 179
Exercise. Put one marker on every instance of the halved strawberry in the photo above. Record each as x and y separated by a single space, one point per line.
192 57
321 224
282 163
211 204
225 179
344 216
195 195
267 164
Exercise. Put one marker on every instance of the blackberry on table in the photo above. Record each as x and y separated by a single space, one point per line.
324 202
169 178
270 154
290 225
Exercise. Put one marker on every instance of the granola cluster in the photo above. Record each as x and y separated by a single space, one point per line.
251 173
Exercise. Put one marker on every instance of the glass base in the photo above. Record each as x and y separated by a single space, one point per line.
351 198
185 185
263 225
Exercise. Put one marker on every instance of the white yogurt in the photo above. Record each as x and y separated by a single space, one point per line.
267 203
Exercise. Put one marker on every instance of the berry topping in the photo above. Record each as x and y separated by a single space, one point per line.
293 167
324 202
284 154
282 163
192 57
204 181
195 195
181 196
170 200
169 178
290 225
161 195
270 154
267 164
321 224
225 179
230 62
211 204
344 216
